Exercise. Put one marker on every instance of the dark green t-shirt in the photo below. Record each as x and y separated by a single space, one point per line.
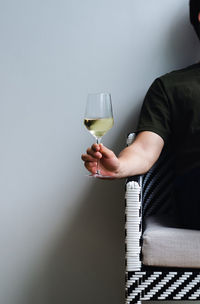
171 109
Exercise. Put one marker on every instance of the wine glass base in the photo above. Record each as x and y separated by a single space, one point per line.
99 176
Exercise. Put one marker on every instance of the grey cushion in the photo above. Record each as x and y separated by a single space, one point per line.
166 245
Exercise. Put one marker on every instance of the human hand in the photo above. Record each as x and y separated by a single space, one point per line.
108 162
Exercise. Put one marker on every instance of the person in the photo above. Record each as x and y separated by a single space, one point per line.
170 117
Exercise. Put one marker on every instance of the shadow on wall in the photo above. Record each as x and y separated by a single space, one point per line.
176 44
182 42
87 263
178 48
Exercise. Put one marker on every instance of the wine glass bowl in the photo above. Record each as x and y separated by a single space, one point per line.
98 127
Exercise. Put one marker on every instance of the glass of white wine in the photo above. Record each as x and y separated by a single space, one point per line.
98 119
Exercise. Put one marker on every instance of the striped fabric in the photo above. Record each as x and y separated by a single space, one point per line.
162 285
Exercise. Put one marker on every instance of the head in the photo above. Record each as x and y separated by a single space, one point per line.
195 15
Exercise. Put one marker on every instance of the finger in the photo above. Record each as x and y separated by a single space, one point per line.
90 166
96 147
106 152
89 158
94 154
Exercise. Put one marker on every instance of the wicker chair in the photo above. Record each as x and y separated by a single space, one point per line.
148 198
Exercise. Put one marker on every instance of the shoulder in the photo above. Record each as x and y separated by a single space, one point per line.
180 77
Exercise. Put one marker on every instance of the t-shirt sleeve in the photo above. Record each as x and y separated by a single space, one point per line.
155 113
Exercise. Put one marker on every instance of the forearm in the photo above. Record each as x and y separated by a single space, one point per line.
134 161
140 156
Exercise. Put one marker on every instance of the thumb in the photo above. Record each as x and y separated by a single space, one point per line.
107 153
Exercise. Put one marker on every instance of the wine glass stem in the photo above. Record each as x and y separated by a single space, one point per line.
98 172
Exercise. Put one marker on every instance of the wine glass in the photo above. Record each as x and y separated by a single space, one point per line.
98 119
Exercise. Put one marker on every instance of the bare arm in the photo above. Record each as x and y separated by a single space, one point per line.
140 156
136 159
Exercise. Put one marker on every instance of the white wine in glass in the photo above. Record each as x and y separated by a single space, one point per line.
98 118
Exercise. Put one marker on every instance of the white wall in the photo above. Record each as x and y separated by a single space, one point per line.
62 236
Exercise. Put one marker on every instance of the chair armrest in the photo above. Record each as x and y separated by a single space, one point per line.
133 233
133 226
133 219
135 178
